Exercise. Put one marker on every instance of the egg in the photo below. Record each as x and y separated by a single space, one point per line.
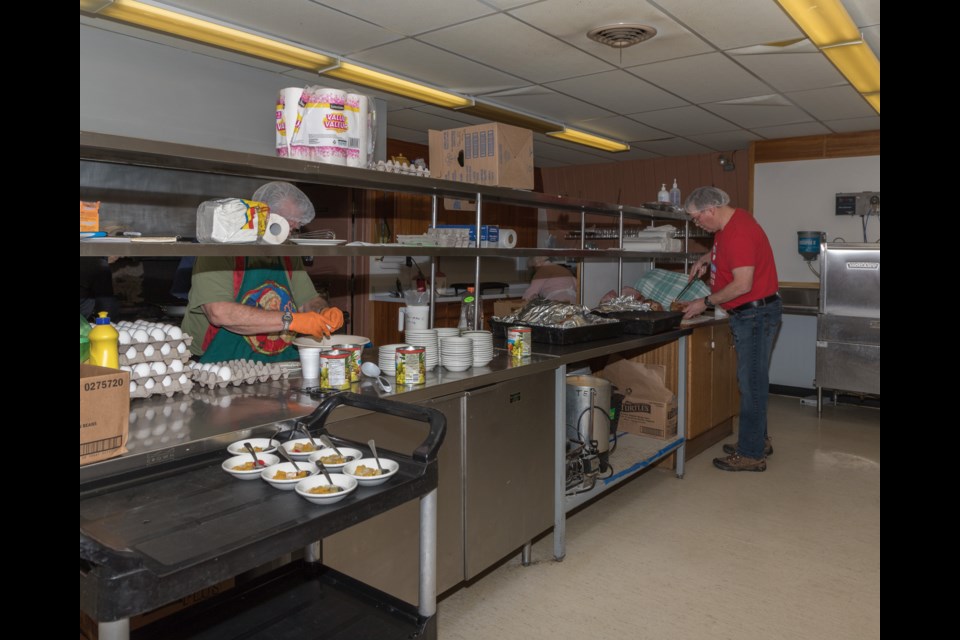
225 374
165 349
157 334
174 333
183 379
167 382
141 336
176 366
148 351
142 370
131 353
149 385
158 368
124 337
181 348
125 367
133 387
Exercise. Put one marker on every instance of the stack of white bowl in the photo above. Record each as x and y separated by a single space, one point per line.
426 338
446 332
482 346
457 353
387 358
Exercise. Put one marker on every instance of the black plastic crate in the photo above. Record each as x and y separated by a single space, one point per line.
646 323
556 335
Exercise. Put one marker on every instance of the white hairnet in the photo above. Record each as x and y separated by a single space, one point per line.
286 200
704 197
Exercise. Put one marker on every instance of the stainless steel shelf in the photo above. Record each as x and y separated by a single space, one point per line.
145 249
101 147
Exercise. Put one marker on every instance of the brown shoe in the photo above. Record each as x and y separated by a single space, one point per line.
731 448
737 462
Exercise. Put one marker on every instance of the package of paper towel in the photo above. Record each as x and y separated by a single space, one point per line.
231 220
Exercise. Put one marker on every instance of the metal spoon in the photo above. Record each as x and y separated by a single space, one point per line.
289 458
257 462
328 443
326 475
373 448
303 428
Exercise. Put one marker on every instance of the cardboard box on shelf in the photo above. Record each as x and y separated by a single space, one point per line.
104 412
649 408
492 154
507 306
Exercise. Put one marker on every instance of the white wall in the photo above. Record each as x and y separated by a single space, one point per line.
800 196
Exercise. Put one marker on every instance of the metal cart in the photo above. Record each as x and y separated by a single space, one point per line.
147 539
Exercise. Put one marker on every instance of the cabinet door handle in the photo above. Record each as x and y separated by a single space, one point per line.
713 345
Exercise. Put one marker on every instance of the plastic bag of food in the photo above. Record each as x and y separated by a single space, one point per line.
231 220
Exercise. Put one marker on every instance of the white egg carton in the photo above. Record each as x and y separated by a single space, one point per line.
147 390
143 341
220 374
157 371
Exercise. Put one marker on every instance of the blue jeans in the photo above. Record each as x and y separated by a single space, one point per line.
754 331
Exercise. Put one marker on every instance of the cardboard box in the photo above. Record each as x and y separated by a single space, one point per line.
505 307
104 412
89 627
493 154
649 408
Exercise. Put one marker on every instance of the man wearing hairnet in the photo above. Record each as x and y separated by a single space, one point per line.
253 307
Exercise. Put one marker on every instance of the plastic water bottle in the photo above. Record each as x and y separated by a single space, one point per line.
104 343
664 196
469 305
675 194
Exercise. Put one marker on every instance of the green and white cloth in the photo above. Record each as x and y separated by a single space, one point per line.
664 287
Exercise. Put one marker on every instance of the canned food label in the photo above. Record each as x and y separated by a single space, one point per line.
355 359
411 367
335 374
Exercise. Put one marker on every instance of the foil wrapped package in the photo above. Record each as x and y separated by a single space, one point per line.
550 313
231 220
625 303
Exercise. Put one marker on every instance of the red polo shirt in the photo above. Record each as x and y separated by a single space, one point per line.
742 243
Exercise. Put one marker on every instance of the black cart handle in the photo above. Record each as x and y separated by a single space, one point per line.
425 452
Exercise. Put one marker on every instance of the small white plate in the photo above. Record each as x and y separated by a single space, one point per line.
318 242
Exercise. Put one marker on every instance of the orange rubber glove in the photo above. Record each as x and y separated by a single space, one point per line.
319 325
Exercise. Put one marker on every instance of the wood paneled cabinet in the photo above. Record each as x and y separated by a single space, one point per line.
712 395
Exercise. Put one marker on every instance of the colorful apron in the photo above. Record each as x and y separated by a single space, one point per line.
266 288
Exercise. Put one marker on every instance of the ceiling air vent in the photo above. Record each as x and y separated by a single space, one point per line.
620 36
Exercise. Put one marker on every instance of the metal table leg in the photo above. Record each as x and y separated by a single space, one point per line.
819 400
313 552
116 630
682 404
428 554
560 464
526 554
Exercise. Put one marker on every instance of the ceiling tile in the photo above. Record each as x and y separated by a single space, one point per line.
618 91
410 18
793 71
570 20
863 12
673 147
504 5
872 37
854 124
792 130
835 103
505 43
707 78
728 25
726 141
550 104
619 127
419 120
298 21
751 116
684 121
425 63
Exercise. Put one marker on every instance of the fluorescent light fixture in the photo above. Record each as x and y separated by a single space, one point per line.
588 139
497 113
874 100
349 72
152 17
858 65
826 22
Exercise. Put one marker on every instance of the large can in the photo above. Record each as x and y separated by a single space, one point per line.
356 353
335 370
411 365
588 411
519 342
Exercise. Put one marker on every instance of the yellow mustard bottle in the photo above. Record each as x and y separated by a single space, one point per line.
104 343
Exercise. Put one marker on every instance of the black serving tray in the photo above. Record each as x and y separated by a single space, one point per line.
555 335
646 323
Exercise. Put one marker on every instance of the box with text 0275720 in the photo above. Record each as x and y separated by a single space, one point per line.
104 412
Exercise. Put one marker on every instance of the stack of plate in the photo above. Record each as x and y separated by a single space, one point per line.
457 353
482 346
426 338
387 359
446 332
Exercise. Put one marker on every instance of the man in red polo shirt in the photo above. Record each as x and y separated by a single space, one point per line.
743 280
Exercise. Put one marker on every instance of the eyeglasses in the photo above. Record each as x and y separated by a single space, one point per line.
695 215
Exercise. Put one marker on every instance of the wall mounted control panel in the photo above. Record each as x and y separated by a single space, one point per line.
858 204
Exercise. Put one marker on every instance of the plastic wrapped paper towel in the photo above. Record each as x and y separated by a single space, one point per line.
289 114
231 220
322 135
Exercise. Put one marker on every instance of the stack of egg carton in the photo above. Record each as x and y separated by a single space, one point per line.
155 355
236 372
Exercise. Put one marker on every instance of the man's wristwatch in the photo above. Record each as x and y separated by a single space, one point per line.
707 303
287 319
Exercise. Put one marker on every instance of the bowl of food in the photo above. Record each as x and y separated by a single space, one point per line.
332 460
243 467
367 473
301 448
260 445
285 477
317 490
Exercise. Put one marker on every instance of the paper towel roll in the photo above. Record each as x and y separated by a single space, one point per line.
277 231
508 238
288 118
322 136
358 133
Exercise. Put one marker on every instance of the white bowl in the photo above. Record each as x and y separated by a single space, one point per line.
347 483
287 485
299 455
390 468
229 464
457 367
266 446
350 454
